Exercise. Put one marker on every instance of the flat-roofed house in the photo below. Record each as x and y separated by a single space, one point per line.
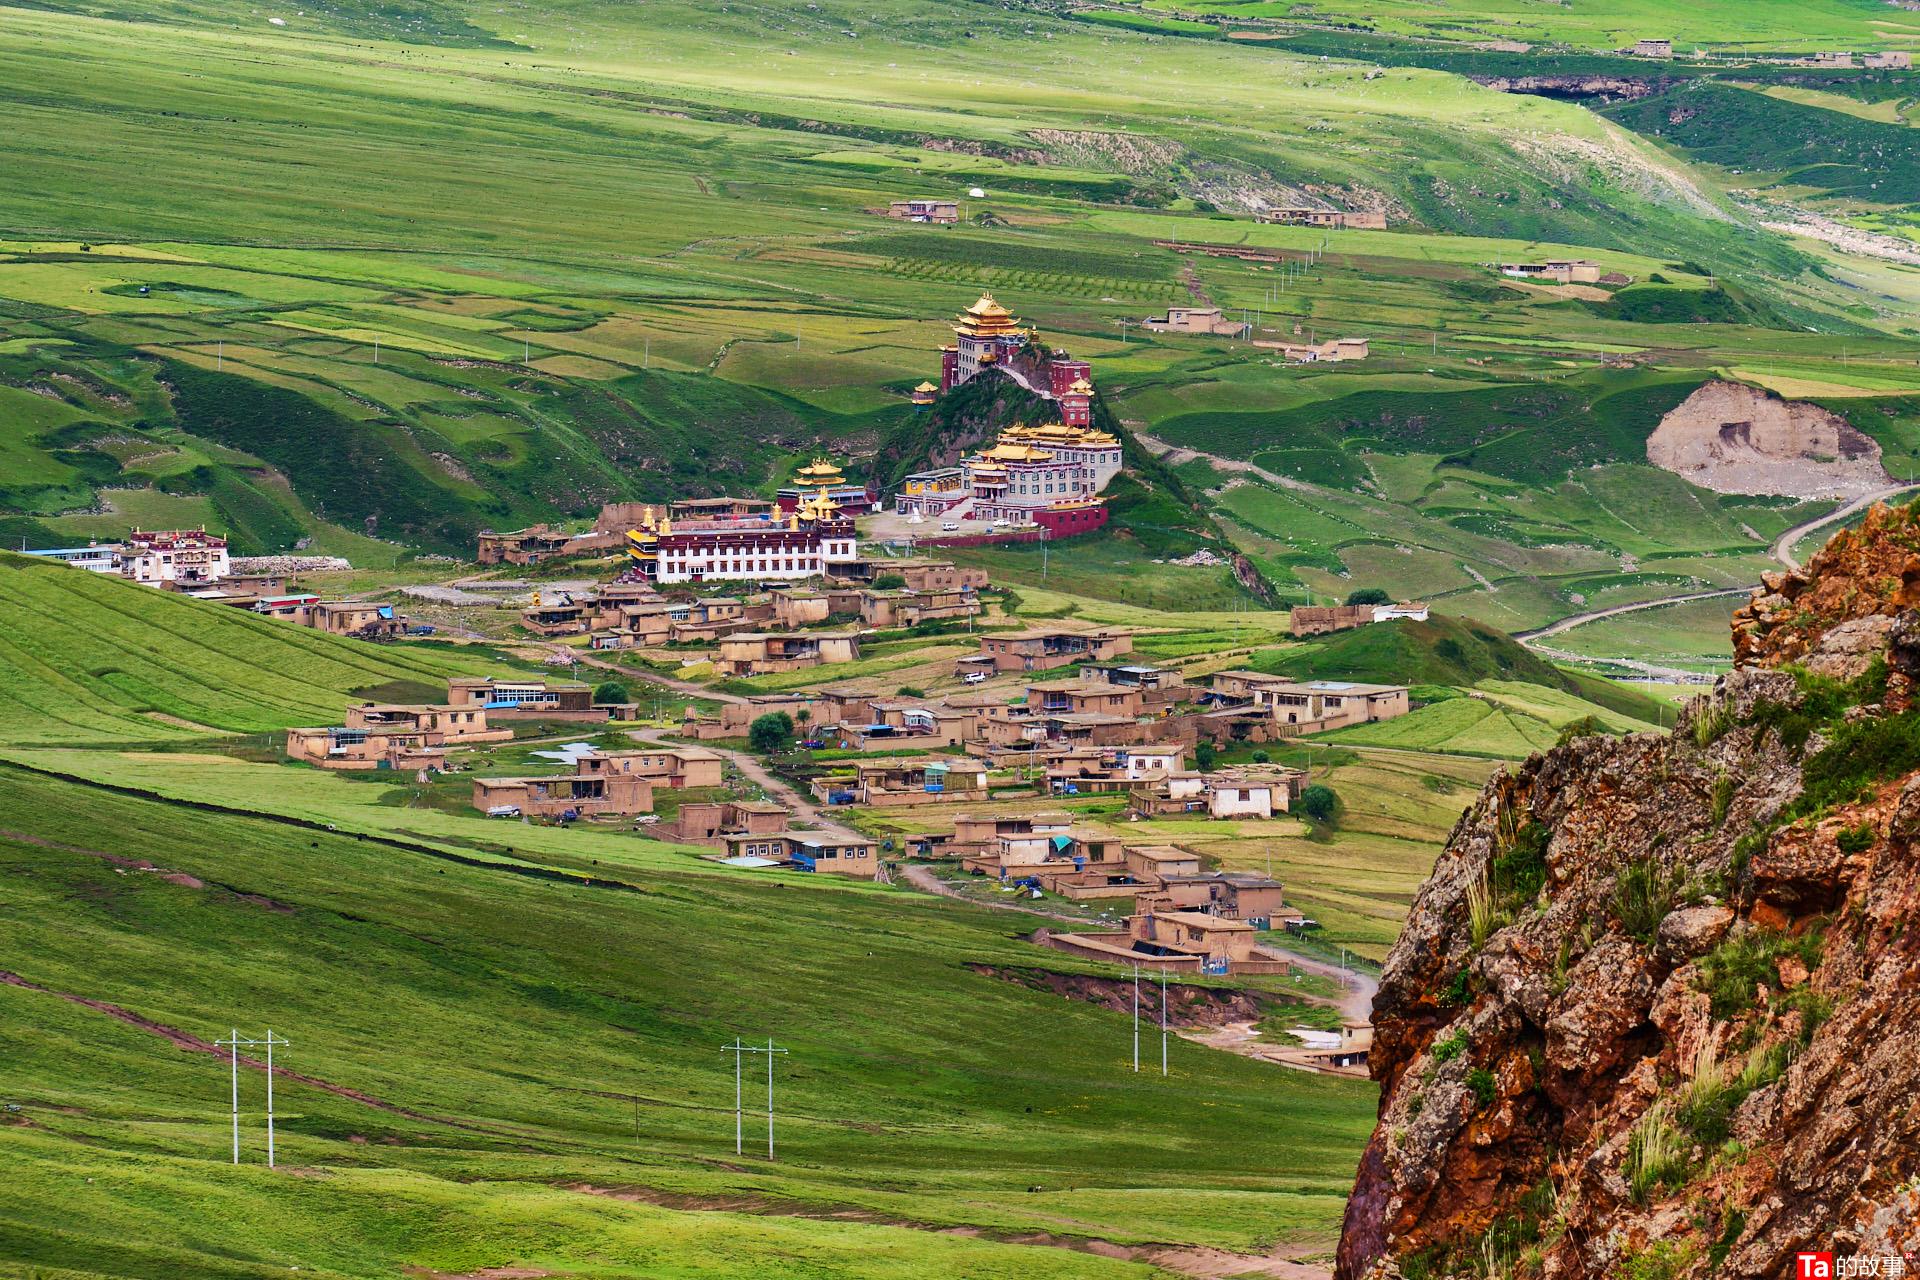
673 767
343 748
562 615
1175 940
938 575
1091 770
1555 271
525 698
440 726
936 211
1202 320
834 852
1334 219
363 618
1236 895
708 822
902 782
909 608
575 794
1044 649
750 653
1083 697
1317 706
975 835
1153 863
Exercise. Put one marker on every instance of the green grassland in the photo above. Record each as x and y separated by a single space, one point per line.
555 1034
490 1018
1716 25
88 659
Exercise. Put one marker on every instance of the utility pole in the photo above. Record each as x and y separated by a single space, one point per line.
1163 1019
737 1049
376 351
219 354
233 1041
1136 1017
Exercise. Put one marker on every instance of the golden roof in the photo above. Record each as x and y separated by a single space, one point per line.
1016 453
820 472
988 309
1058 433
926 386
987 318
1080 387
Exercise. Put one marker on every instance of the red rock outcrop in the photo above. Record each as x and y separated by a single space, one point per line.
1656 1013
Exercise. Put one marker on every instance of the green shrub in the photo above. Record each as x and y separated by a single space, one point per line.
1450 1047
1318 802
771 733
1731 971
889 582
1712 720
1656 1157
1481 1081
1643 894
1663 1260
1584 727
1857 839
1369 595
1723 789
1519 870
610 691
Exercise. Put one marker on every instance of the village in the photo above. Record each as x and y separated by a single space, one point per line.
1034 762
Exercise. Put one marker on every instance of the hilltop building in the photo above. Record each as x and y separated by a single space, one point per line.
95 557
986 335
819 478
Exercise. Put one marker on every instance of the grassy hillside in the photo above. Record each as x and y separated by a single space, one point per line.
86 658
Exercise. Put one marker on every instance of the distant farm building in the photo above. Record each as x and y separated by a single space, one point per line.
1333 350
1316 620
564 796
1894 60
1662 49
1555 271
762 652
941 212
524 698
1332 219
1206 320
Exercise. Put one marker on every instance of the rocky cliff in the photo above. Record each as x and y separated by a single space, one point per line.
1657 1011
1739 439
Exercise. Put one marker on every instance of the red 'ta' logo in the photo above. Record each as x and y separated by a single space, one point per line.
1813 1266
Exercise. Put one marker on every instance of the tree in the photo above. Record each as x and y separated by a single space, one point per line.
1261 757
771 733
1204 754
610 691
1318 802
1369 595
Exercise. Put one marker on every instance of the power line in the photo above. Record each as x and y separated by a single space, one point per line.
737 1049
233 1042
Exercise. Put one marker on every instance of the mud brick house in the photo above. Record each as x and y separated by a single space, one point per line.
525 698
833 852
751 653
1236 895
1045 649
579 795
902 783
1179 941
974 835
1083 697
561 615
441 726
522 546
1087 771
672 767
344 748
939 575
709 822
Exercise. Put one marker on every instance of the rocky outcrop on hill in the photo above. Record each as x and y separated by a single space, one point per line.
1656 1013
1733 438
